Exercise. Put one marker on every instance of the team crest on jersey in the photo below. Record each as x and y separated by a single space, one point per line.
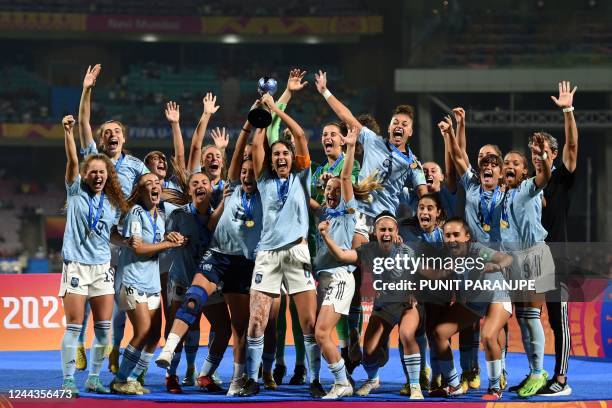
74 282
258 278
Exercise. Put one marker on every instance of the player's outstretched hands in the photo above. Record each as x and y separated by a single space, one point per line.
173 112
294 83
91 76
566 97
351 136
321 81
210 104
220 138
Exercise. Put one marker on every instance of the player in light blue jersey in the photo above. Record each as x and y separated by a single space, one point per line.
470 306
336 282
110 141
426 225
209 159
93 206
144 234
197 221
391 308
388 159
522 232
483 208
444 185
283 255
228 263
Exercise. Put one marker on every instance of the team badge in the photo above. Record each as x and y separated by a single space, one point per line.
258 278
74 282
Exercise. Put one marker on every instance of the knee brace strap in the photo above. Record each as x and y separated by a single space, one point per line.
188 314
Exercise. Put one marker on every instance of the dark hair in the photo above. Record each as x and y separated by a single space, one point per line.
494 146
339 125
490 159
552 141
525 162
370 122
461 221
436 198
404 110
384 214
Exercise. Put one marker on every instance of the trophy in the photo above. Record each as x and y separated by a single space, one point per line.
260 116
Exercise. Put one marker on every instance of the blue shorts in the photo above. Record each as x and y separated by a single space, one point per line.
235 271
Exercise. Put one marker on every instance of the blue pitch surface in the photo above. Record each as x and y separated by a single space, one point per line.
588 377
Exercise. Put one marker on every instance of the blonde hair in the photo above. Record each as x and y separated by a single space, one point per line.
223 157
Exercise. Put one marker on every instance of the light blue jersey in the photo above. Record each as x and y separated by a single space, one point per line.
409 200
170 182
522 213
342 222
88 225
473 296
165 257
285 208
128 168
482 208
141 272
411 232
186 258
391 167
240 225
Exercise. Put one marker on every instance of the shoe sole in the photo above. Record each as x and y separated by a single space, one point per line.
162 364
563 393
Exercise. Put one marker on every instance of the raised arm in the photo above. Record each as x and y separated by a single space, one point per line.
173 115
72 159
461 139
195 151
85 133
343 113
450 174
294 84
346 256
258 152
301 144
233 174
346 176
565 102
446 128
544 172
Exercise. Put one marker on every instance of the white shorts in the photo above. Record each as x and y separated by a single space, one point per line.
87 280
176 293
288 266
336 288
130 297
535 263
364 225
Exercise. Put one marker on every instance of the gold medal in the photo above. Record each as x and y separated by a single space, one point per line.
413 165
350 210
250 224
504 224
486 227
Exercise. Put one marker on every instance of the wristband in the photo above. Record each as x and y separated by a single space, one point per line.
327 94
569 109
246 130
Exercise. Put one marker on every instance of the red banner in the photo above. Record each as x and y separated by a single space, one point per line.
143 24
32 318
